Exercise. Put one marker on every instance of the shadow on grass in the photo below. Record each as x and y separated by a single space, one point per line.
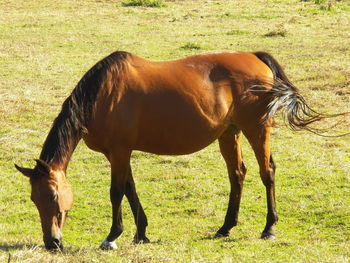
31 247
224 239
9 247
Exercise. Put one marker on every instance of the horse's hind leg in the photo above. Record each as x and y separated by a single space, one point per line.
259 139
231 151
137 210
120 163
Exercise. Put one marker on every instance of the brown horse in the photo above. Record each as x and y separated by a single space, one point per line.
127 103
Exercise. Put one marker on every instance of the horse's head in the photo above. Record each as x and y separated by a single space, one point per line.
53 197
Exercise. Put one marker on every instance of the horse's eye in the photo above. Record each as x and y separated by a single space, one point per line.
53 197
59 217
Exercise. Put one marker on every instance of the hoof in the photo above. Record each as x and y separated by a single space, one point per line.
106 245
141 240
220 235
268 236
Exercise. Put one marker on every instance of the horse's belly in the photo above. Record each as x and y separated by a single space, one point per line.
177 140
171 148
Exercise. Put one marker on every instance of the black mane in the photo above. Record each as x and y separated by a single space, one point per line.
77 109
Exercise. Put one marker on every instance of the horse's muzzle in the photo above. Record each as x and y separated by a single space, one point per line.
54 244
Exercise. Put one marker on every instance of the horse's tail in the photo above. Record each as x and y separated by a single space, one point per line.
286 96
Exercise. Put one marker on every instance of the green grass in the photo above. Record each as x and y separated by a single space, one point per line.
45 49
146 3
237 32
191 46
274 33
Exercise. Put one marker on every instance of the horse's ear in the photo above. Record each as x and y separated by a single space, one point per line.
25 171
42 167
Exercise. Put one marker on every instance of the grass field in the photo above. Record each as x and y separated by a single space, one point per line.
46 46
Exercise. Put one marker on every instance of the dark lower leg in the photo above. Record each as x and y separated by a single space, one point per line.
231 217
271 218
138 212
117 224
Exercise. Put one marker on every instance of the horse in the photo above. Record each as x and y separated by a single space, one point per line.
125 103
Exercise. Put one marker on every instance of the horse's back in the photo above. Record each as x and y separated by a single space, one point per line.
233 62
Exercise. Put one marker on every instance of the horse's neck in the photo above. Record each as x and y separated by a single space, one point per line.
61 164
60 143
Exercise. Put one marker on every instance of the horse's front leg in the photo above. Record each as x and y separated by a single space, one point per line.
137 210
231 151
120 163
